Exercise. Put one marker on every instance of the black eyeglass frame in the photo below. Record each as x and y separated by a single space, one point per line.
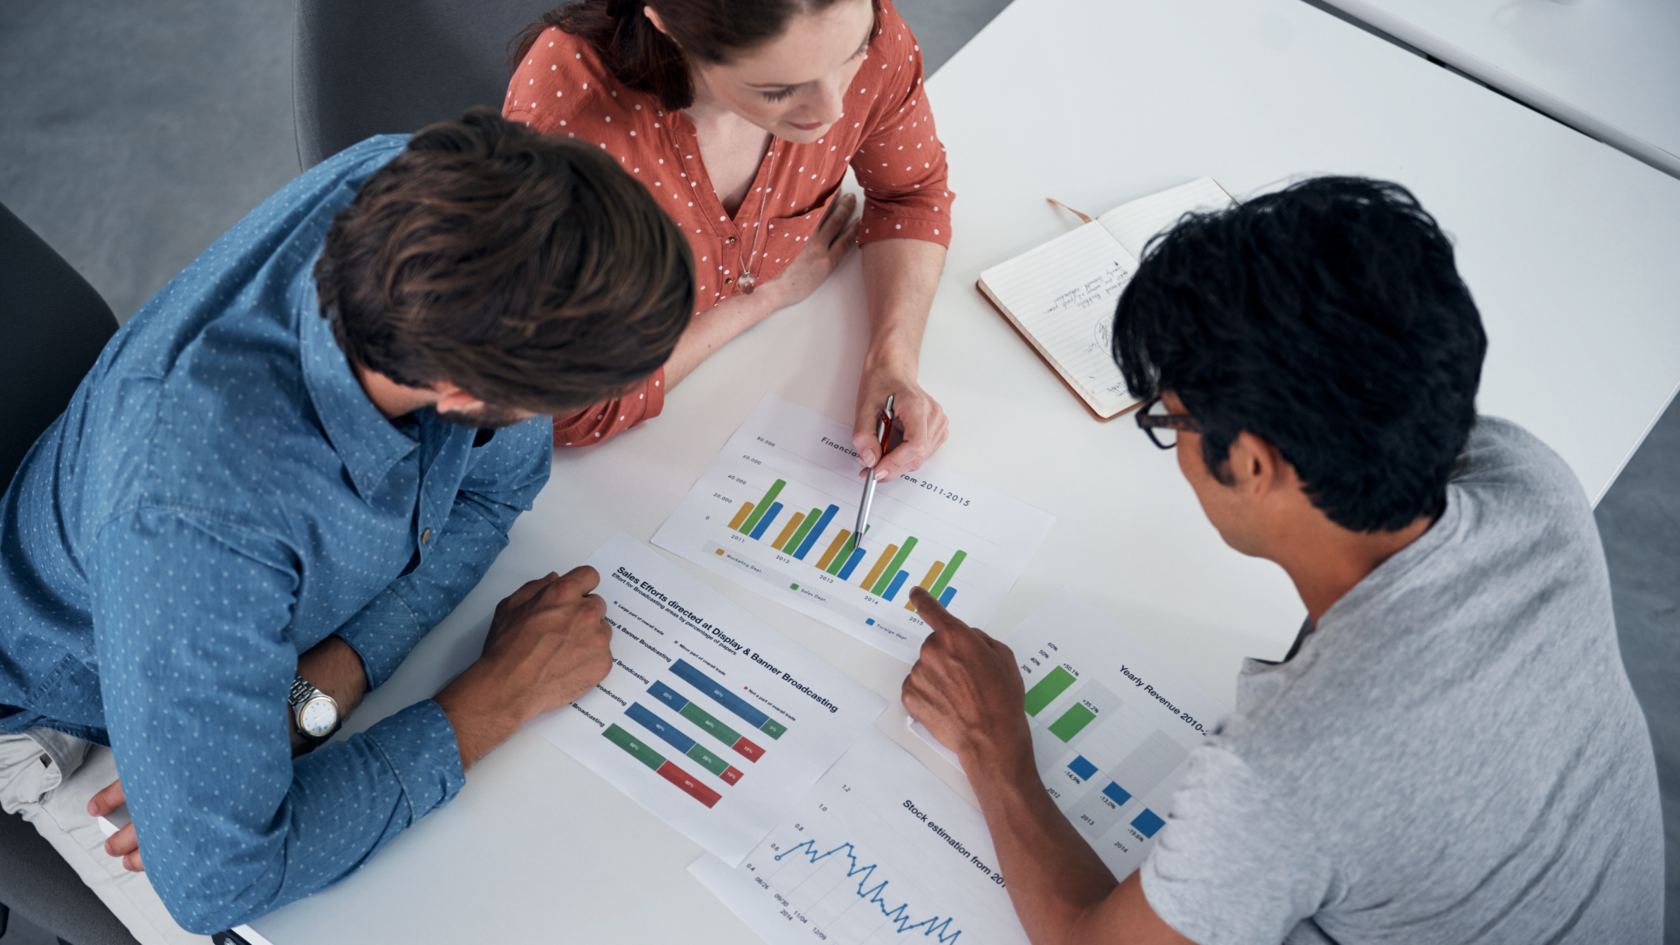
1149 423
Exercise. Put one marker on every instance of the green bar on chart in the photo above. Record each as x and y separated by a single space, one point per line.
773 728
634 746
833 549
799 536
1072 722
764 503
880 587
787 530
741 516
1047 689
845 555
707 760
880 565
938 587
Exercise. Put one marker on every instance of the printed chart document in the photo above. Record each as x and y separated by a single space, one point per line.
774 512
1112 725
709 718
880 851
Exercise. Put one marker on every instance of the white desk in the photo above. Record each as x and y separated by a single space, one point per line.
1565 242
1608 67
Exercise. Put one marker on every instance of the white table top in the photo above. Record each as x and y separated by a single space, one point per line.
1608 67
1565 242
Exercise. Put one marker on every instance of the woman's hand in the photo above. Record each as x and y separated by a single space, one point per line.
835 236
923 421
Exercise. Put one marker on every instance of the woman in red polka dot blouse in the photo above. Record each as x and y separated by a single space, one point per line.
742 116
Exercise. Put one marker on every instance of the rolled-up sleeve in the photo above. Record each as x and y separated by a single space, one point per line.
901 163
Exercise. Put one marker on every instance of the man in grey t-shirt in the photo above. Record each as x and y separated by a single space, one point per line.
1451 751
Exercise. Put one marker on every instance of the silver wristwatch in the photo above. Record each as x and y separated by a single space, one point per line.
314 712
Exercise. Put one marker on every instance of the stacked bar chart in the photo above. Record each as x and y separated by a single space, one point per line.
687 746
777 509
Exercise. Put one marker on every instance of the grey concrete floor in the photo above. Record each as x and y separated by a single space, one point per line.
133 132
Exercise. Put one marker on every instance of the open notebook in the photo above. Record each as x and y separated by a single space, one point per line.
1061 296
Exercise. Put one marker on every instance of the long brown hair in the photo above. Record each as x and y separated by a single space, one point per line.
531 271
643 58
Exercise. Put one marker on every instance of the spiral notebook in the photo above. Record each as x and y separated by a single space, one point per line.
1061 296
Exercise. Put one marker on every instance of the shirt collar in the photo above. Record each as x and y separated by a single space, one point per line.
359 433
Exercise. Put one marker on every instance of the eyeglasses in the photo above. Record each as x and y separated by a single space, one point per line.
1163 427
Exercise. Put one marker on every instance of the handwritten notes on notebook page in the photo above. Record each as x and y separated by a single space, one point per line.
1061 296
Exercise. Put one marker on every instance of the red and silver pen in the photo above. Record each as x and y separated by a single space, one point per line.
883 430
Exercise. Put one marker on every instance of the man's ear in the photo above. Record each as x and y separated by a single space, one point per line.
1255 466
452 399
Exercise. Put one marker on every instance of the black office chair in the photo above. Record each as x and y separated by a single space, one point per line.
381 66
52 327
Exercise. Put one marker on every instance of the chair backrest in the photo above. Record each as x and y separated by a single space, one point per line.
52 327
380 66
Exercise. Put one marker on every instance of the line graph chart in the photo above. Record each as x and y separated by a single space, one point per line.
879 851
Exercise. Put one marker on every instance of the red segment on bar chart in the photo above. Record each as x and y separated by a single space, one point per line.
730 775
682 779
748 750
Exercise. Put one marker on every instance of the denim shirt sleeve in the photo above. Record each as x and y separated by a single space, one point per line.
190 617
506 475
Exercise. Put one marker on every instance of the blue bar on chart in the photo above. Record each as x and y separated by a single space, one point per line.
1116 793
897 582
763 523
851 563
816 531
720 694
1084 769
1147 823
945 598
658 726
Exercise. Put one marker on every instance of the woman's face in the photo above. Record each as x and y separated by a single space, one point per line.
793 85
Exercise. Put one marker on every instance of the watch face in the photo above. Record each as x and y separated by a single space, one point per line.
318 717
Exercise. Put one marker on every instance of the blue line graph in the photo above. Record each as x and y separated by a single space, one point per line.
899 916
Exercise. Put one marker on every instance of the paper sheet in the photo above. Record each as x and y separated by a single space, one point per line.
1113 725
879 851
1132 224
709 718
775 512
1062 296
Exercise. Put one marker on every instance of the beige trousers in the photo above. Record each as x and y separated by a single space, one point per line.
49 777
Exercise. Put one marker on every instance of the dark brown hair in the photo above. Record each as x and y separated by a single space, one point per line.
530 271
643 58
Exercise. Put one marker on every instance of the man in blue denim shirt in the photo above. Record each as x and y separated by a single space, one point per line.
290 464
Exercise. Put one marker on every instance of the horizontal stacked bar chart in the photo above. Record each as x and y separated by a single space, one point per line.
674 737
720 694
665 769
686 708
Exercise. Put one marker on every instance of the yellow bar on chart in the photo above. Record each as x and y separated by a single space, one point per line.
927 582
741 516
880 564
788 530
833 549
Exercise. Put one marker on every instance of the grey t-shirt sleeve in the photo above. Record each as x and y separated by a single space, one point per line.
1233 864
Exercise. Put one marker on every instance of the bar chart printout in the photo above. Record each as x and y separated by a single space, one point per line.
774 512
709 718
880 851
1112 723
